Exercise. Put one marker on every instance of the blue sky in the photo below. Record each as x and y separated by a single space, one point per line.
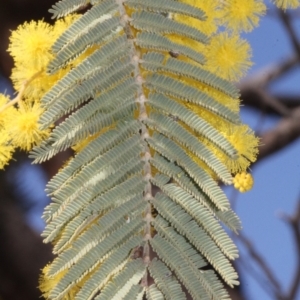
277 178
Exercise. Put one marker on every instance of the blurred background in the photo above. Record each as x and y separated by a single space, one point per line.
269 264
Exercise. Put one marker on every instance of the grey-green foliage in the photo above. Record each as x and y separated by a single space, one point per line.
99 216
64 7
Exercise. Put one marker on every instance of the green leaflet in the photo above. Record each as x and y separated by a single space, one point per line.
173 152
172 87
168 6
123 283
97 147
200 214
153 293
99 80
135 292
154 61
165 281
167 105
153 41
172 129
229 218
65 7
91 261
185 225
110 266
112 220
125 104
72 208
157 23
96 14
208 285
100 58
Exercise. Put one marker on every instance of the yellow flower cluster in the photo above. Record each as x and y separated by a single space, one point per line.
30 47
242 15
243 182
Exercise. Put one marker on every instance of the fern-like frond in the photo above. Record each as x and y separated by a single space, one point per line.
99 33
141 109
112 220
73 205
95 27
75 128
97 204
174 258
109 267
100 166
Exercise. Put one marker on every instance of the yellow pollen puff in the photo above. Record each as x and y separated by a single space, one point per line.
245 142
287 3
24 128
30 44
242 138
240 15
243 182
228 56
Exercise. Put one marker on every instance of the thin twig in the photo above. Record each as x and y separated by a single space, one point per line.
21 92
